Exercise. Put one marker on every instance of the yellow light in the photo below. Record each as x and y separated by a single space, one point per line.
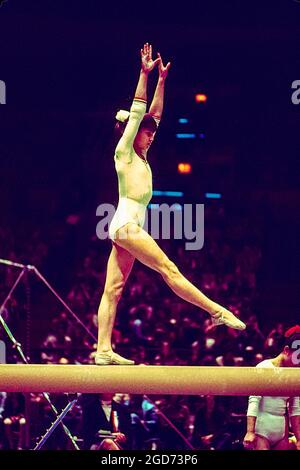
184 168
200 98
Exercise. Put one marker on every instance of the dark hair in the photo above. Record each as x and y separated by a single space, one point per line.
119 129
148 122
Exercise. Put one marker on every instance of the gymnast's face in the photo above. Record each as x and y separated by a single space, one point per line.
143 140
291 356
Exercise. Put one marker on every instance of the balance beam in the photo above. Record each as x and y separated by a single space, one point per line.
172 380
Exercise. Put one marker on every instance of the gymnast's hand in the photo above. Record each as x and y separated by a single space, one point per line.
147 63
249 440
163 70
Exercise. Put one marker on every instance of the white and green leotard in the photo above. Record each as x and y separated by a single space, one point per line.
271 412
134 174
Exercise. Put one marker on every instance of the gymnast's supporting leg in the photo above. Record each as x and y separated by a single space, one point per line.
144 248
118 269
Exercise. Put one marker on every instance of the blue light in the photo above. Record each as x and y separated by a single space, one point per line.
176 207
213 195
174 193
202 135
186 136
183 120
168 193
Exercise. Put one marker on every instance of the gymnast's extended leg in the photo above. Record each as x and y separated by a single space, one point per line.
144 248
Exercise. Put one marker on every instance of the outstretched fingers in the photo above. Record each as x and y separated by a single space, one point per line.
163 69
164 66
147 50
148 63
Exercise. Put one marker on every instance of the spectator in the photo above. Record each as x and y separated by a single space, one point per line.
106 424
267 420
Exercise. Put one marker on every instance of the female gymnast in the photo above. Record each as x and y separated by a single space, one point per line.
268 417
129 240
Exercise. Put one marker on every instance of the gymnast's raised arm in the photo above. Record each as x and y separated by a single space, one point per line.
157 104
138 107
